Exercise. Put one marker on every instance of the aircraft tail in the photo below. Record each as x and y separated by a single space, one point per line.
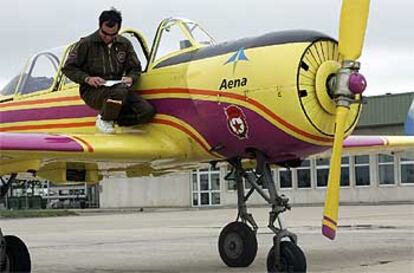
409 121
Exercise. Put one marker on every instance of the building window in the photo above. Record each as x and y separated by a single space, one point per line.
251 173
304 175
322 172
195 199
386 169
206 187
407 170
285 178
195 188
362 177
345 172
231 184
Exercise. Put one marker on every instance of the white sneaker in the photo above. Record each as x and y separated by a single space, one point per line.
105 126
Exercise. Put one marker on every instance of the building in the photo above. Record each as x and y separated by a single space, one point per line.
384 115
34 193
366 178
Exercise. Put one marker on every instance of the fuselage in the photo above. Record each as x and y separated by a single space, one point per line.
262 93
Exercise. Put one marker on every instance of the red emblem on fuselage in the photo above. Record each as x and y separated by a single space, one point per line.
236 121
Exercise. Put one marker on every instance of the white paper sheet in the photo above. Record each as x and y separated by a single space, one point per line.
112 83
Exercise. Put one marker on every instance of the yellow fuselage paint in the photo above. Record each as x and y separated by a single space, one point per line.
276 82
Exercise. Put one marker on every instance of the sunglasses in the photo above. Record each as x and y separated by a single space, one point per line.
109 34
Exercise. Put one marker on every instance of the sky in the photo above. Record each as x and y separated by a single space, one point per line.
30 26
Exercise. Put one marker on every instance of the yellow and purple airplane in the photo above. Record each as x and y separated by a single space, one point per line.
269 100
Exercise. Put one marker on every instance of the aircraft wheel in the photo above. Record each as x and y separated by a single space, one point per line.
292 259
17 255
237 245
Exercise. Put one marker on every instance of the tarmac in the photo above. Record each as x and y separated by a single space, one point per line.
370 239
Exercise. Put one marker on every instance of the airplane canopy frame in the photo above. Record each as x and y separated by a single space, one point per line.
189 30
195 37
26 83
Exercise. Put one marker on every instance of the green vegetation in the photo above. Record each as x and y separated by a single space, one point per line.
30 213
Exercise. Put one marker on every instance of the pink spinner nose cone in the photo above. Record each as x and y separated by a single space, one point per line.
357 83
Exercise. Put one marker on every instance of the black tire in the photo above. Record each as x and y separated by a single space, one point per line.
237 245
292 259
17 255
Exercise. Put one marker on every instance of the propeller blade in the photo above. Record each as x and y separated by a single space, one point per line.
330 214
353 23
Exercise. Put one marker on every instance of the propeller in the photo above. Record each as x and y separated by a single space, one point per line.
343 88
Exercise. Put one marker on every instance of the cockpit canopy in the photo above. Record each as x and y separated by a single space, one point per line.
174 36
38 73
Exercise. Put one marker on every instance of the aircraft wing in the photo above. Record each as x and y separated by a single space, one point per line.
365 144
138 152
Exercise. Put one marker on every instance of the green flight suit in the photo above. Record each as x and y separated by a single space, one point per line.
91 57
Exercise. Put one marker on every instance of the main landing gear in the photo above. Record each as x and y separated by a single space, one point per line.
237 240
14 255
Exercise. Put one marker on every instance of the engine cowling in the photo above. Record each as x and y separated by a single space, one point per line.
319 62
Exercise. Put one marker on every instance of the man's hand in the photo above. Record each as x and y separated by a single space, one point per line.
127 81
95 81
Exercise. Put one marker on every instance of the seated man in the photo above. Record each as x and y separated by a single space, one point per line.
102 56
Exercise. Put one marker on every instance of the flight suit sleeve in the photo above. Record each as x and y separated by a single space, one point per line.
73 65
133 65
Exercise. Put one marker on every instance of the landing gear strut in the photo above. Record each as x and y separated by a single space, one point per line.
14 255
237 241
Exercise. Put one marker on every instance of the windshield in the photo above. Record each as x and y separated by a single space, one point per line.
10 86
37 74
172 39
199 35
178 34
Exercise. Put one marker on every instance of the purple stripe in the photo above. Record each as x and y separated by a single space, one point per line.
326 218
328 232
38 142
363 141
262 134
59 112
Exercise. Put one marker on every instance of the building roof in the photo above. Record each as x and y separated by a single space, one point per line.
389 109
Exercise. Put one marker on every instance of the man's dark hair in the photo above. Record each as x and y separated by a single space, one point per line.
111 18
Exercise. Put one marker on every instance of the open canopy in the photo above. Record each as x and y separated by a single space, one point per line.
176 35
173 37
37 74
